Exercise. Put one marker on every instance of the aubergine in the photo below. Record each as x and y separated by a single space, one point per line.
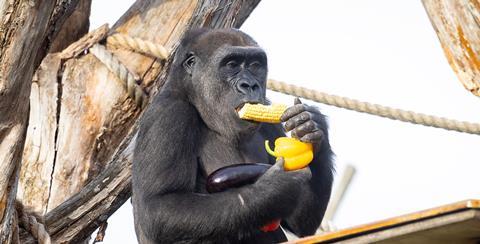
236 175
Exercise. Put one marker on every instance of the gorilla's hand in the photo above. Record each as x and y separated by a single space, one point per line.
305 123
282 187
277 171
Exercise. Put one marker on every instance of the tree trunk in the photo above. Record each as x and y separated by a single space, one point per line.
26 30
75 26
457 24
77 157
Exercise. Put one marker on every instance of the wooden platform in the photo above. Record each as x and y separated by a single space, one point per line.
454 223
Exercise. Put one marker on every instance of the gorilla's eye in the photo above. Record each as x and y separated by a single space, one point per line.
232 64
255 65
189 62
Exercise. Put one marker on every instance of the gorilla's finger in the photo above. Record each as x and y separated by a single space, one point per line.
297 120
314 137
313 109
307 173
297 101
302 175
306 128
292 111
280 161
278 164
293 135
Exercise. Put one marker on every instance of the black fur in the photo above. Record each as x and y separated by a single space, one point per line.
191 129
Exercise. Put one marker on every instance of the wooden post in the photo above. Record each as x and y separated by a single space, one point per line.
26 30
336 198
458 29
77 158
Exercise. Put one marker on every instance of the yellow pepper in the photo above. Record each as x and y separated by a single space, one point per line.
296 154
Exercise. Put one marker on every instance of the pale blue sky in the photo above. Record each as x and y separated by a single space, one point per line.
380 51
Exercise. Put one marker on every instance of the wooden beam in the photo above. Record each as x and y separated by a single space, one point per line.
416 222
457 24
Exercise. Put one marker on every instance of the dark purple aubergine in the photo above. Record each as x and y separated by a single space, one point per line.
236 175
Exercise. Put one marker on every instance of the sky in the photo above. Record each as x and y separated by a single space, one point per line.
379 51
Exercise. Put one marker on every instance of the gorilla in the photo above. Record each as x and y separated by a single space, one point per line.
191 129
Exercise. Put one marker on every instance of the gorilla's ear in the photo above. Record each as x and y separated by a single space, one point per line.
189 62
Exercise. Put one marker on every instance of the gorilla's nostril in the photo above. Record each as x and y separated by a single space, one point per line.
245 85
255 87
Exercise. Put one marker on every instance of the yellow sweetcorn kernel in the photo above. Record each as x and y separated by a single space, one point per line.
262 113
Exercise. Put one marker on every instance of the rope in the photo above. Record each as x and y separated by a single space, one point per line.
32 225
375 109
127 78
138 45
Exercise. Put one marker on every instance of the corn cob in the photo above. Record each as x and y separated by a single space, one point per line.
262 113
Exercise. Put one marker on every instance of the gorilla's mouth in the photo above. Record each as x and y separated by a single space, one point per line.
239 114
239 107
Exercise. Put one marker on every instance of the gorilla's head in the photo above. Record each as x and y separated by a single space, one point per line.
221 70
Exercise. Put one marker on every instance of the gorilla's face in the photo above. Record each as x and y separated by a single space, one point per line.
227 71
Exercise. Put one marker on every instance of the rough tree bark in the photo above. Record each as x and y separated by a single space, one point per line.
26 31
457 23
80 147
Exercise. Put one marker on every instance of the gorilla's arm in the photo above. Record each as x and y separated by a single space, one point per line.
314 198
313 201
165 169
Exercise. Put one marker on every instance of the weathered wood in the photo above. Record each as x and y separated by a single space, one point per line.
39 152
460 228
453 223
34 181
84 43
95 117
26 28
457 24
79 216
75 26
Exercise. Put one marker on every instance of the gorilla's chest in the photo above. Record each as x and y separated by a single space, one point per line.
215 154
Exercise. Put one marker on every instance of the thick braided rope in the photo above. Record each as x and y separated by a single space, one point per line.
37 229
375 109
138 45
127 78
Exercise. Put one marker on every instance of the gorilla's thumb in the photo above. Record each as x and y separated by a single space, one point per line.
297 101
279 163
